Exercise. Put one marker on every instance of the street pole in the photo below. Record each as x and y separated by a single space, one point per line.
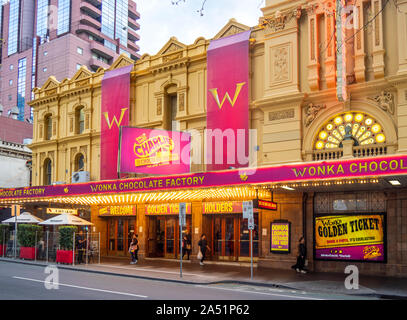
47 245
251 253
73 250
180 245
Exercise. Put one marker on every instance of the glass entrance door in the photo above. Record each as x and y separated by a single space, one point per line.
224 237
120 232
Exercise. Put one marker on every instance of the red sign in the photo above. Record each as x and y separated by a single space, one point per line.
264 204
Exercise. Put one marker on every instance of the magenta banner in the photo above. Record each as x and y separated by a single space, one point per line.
115 113
153 151
228 102
313 171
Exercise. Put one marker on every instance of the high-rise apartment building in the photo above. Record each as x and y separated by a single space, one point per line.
41 38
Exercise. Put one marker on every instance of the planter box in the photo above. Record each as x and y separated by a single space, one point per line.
65 256
3 249
27 253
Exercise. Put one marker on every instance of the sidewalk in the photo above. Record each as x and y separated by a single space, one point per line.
193 273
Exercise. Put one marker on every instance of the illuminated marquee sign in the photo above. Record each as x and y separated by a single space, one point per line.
117 211
154 151
264 204
165 209
350 237
61 211
314 171
222 207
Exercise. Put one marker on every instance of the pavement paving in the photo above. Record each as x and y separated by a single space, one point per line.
211 273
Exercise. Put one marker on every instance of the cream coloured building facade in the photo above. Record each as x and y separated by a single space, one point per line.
294 106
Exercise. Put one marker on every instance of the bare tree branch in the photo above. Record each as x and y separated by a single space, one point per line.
200 11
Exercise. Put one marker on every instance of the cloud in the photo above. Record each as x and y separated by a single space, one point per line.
161 20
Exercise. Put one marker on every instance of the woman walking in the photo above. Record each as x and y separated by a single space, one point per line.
302 253
186 246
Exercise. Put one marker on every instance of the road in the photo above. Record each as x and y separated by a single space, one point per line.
27 282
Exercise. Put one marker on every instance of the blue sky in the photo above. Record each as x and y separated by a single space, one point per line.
161 20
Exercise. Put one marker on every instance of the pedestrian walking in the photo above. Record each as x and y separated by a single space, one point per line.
186 246
133 249
203 246
302 254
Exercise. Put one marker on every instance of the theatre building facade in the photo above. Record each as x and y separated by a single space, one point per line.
326 105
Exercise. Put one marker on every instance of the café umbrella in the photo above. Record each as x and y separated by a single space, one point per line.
66 219
25 217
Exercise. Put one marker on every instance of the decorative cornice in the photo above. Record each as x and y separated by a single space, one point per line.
278 21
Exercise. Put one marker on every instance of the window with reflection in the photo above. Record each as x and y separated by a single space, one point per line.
80 120
47 172
13 26
64 16
48 127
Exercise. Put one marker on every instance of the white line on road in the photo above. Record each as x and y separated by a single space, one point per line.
152 270
256 292
85 288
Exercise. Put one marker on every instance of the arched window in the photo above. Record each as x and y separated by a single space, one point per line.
80 163
47 172
363 129
80 120
48 127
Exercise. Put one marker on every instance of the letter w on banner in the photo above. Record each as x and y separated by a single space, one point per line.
115 114
228 102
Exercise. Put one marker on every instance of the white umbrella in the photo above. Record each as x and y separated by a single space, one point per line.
25 217
66 219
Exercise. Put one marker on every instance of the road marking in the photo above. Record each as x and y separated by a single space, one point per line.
84 288
264 293
152 270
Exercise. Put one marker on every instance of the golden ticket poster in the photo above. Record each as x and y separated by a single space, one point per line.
345 237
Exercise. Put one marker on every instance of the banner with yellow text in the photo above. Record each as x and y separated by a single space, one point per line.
228 102
115 113
345 237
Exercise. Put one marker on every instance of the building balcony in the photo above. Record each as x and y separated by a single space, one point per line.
132 35
133 13
132 48
133 24
95 64
80 28
101 50
90 10
96 3
89 21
